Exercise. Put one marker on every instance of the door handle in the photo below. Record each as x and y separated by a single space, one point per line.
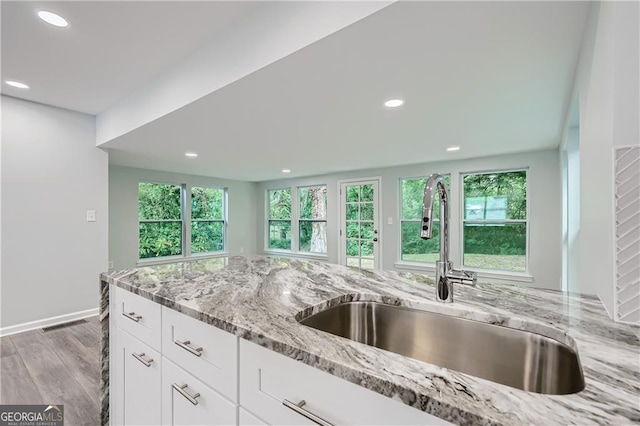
182 391
305 413
140 357
185 345
132 316
375 239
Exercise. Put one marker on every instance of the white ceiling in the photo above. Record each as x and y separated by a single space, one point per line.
492 77
110 48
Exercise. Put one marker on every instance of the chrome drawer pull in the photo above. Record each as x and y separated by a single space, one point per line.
298 409
183 392
132 316
185 345
140 357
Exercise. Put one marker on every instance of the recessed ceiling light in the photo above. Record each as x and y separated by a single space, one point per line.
453 148
286 171
191 154
53 19
393 103
17 84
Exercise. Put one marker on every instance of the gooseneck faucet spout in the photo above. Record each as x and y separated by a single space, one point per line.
446 276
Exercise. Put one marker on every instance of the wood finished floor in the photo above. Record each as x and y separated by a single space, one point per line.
60 366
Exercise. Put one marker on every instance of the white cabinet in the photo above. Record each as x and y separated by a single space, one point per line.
245 418
269 380
138 316
188 401
170 369
203 350
135 392
147 388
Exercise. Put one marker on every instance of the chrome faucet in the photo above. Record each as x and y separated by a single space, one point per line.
446 276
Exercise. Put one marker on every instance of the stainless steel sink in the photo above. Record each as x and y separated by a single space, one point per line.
515 358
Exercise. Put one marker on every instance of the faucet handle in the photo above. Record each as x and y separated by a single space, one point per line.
463 277
470 278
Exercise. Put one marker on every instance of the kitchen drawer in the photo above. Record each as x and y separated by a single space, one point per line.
188 401
203 350
138 316
267 379
245 418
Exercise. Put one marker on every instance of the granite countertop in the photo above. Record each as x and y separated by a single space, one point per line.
258 298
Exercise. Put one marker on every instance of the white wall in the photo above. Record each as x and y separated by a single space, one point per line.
606 87
123 211
52 173
544 182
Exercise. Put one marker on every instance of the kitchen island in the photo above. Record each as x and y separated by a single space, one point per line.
259 299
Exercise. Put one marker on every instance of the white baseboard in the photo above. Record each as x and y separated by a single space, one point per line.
47 322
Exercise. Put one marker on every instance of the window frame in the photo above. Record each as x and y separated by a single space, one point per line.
181 220
186 220
223 220
269 220
299 219
488 271
295 220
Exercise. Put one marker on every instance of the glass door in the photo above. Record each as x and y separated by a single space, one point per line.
359 226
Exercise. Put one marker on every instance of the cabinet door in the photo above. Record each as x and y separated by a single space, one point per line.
188 401
136 388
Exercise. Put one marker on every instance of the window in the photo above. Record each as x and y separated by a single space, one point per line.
495 220
160 217
297 219
165 219
414 248
312 225
280 219
207 219
360 225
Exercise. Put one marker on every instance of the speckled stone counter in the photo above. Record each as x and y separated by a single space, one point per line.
259 299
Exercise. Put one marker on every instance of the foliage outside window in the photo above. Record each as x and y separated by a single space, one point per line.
312 224
160 220
299 229
280 219
495 221
164 219
414 248
207 219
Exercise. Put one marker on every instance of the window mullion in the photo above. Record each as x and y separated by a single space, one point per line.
186 219
225 218
295 219
497 221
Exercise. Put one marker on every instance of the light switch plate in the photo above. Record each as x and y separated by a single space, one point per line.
91 215
390 221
